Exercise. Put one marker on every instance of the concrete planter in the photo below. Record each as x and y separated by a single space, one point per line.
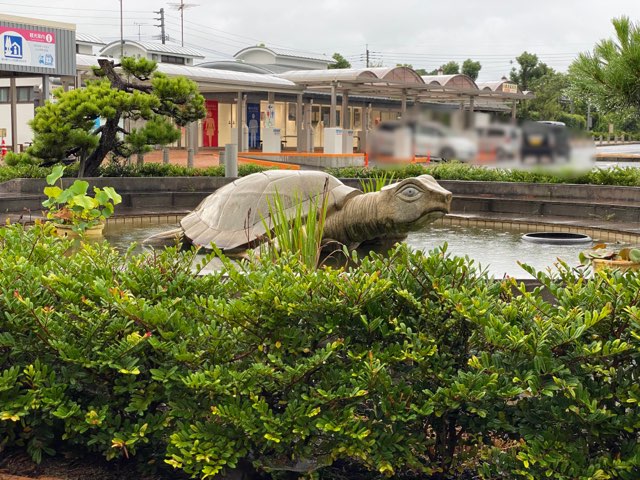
600 264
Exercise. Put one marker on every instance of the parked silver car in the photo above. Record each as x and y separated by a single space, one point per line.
500 140
403 139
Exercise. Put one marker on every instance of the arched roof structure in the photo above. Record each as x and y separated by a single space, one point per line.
500 86
457 81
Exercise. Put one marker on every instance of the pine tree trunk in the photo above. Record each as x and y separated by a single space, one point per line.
108 141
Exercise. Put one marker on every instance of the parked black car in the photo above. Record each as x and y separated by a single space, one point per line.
545 139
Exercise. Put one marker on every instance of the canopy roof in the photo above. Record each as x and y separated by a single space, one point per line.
399 83
210 80
395 83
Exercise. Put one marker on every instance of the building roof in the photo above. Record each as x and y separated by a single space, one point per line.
281 52
239 66
331 75
210 79
160 48
457 80
37 21
88 39
301 54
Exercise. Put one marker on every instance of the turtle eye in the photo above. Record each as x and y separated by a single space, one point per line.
410 193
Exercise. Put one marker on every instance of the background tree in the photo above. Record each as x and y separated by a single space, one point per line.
449 68
529 69
552 101
471 68
134 91
609 77
341 62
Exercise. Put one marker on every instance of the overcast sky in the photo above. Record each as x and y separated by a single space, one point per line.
424 33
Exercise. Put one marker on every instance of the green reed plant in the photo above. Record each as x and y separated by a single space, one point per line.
376 181
296 229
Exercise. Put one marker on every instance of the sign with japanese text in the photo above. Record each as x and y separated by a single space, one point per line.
28 48
210 124
509 88
253 123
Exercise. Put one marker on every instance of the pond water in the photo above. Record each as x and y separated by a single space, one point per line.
497 251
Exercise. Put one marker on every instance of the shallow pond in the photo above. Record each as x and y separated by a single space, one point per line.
497 251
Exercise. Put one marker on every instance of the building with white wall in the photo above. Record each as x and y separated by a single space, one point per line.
158 52
282 60
27 90
87 44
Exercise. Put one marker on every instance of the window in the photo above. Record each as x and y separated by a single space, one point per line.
25 94
172 59
4 94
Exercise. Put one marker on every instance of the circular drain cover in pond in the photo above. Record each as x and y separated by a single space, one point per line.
557 238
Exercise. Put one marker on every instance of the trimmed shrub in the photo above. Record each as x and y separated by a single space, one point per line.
410 365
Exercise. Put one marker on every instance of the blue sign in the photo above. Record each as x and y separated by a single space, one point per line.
13 46
253 122
46 60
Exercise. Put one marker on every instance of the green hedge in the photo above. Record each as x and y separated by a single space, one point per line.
413 365
9 172
168 170
621 176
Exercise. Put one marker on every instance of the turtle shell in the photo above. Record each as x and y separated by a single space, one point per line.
232 216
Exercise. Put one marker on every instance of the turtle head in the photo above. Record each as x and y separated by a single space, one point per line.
412 203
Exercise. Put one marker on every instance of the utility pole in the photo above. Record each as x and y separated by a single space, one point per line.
139 25
181 6
121 32
367 55
163 36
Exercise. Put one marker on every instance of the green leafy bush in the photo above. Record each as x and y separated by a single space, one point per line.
408 365
72 206
15 159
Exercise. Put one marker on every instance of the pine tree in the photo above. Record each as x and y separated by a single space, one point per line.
131 90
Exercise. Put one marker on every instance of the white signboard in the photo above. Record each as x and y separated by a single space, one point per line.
510 88
28 48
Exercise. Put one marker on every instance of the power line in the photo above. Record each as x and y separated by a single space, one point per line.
209 29
235 47
209 36
23 5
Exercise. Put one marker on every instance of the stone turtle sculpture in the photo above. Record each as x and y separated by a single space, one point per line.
232 216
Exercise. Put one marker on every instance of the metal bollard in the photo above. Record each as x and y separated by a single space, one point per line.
231 160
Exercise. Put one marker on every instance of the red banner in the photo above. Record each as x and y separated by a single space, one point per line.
210 124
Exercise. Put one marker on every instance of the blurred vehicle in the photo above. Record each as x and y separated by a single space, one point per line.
408 138
503 140
545 139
